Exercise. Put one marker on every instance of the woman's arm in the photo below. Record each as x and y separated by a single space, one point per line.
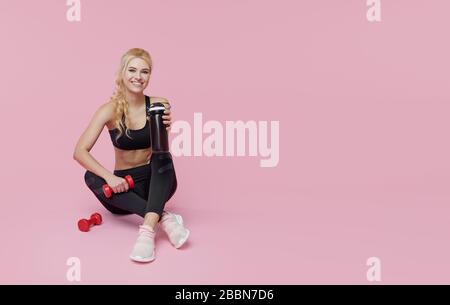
88 139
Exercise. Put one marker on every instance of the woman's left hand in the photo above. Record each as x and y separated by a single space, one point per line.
167 119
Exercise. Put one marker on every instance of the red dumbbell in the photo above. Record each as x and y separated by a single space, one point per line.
107 190
85 224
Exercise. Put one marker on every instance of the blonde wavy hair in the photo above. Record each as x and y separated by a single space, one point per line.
118 98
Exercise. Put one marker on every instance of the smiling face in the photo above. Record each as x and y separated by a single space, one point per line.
136 75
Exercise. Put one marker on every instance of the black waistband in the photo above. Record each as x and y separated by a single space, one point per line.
141 171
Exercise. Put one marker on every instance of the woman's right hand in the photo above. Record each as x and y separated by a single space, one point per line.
118 184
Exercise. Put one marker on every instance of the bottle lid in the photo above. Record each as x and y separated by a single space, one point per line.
156 107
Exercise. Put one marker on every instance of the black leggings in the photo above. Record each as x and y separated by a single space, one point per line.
154 184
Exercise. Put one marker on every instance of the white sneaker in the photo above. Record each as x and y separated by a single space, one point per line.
144 248
172 224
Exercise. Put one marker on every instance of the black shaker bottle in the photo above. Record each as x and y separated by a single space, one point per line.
158 132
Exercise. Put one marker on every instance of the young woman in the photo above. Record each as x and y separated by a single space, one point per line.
126 119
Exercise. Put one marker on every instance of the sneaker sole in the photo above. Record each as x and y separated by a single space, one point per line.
142 260
184 239
180 221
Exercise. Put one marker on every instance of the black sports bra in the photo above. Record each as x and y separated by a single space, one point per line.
140 138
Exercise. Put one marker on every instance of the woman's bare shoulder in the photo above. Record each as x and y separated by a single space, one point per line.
107 108
107 111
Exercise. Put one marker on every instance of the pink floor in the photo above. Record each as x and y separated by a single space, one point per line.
364 166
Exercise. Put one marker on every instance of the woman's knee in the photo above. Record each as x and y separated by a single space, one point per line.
94 183
162 163
92 180
163 171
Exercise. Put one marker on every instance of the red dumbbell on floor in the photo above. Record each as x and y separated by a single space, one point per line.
107 190
85 224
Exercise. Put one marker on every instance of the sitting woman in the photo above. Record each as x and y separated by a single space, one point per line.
125 116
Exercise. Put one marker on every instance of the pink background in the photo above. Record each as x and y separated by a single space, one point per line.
364 151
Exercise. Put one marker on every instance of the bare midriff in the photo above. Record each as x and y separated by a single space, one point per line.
126 159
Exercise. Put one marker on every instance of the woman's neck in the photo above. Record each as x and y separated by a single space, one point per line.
135 100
